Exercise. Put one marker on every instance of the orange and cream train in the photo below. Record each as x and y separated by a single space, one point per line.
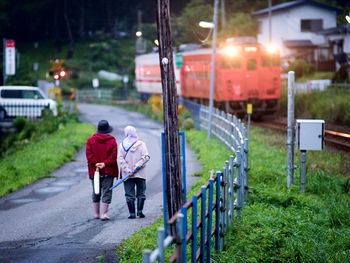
244 73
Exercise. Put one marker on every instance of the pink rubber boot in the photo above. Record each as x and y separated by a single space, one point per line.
104 215
96 207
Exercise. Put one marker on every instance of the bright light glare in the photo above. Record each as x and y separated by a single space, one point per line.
250 49
231 51
271 49
347 19
205 24
138 33
62 73
156 42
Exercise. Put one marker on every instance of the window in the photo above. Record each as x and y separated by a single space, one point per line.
251 64
311 25
11 94
268 60
231 62
31 94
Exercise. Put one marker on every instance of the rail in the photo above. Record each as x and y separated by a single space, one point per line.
30 110
207 216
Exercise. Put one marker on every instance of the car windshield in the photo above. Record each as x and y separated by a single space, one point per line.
31 94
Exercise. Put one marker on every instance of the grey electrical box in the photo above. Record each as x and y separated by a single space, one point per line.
310 134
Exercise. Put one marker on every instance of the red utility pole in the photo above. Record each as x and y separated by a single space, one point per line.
171 127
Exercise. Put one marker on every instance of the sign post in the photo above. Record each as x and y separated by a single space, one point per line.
9 59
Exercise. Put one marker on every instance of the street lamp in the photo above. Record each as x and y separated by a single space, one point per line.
205 24
348 18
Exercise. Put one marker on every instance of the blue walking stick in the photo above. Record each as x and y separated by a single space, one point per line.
120 181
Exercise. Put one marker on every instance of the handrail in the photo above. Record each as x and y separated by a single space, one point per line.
230 186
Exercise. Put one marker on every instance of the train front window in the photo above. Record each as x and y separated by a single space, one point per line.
231 62
268 60
251 64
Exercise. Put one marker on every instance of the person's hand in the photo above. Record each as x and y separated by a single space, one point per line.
127 170
100 165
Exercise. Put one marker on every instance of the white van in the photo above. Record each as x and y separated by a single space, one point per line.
24 101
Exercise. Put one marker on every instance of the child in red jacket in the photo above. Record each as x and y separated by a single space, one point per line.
101 152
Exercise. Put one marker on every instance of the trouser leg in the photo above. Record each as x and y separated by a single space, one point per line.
129 187
141 196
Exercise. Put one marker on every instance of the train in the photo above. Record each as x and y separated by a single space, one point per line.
245 72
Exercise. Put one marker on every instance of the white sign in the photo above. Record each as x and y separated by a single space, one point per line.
95 83
10 57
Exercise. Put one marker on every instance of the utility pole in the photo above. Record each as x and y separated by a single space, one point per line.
171 128
270 24
223 15
213 66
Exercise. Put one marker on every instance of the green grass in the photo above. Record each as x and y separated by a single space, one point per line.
38 159
283 225
278 224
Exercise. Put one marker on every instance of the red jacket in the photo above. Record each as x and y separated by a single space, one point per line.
102 148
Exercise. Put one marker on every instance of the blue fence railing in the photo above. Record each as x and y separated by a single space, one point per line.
202 222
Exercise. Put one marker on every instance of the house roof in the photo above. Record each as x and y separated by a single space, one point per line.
292 4
336 30
298 43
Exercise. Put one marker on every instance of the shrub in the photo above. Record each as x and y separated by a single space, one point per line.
301 68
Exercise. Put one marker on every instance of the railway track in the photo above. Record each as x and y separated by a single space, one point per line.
336 139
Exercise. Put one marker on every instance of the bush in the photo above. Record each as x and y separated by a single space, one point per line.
301 68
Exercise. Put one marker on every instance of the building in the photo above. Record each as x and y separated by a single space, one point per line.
294 28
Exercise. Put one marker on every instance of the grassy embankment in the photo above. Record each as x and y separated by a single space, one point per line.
279 224
35 159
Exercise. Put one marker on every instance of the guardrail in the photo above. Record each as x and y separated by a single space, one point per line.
196 225
31 110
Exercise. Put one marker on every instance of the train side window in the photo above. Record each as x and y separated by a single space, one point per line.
251 64
231 62
270 61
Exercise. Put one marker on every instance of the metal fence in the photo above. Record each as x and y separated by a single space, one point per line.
31 110
202 222
105 95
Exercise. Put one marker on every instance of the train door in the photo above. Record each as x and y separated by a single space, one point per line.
251 75
230 86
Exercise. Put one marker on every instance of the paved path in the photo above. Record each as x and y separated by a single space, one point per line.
51 220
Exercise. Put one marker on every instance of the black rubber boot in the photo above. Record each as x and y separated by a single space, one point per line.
131 207
140 204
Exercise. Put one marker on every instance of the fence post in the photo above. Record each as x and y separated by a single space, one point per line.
217 211
146 256
184 233
225 197
231 192
210 217
239 181
203 214
160 242
194 228
180 257
246 168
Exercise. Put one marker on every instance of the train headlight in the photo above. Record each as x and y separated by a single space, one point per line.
271 49
231 51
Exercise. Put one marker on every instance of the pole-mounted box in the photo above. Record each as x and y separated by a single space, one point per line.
310 134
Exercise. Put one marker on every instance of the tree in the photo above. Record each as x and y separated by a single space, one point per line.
239 24
194 12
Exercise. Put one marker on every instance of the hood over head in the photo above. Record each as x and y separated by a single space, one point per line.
130 137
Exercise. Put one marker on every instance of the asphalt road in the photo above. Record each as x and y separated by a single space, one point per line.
51 220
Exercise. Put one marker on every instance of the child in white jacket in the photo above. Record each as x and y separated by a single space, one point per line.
132 154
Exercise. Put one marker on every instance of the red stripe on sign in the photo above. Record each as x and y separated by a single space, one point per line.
10 43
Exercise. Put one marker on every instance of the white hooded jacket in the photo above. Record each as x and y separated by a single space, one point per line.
135 157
